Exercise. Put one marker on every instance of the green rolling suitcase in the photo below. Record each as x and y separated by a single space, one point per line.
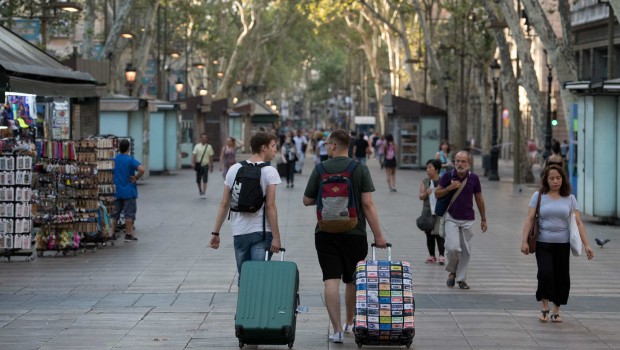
267 303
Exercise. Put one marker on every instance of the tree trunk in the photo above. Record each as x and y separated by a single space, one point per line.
247 28
89 26
560 51
145 45
115 31
528 79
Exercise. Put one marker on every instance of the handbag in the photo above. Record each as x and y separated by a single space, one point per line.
533 234
576 245
198 165
441 230
426 221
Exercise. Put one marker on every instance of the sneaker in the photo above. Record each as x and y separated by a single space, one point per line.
441 260
129 238
203 196
430 260
113 237
347 328
336 338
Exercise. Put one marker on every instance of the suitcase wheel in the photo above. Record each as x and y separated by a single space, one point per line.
359 343
241 345
290 345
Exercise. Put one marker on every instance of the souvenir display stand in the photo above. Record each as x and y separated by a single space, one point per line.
54 196
88 224
15 208
106 150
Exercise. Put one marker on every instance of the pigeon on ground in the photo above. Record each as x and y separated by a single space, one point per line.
602 243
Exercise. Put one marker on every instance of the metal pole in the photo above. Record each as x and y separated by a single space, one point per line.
610 43
548 131
446 132
493 173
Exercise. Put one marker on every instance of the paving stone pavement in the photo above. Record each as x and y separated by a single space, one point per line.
170 291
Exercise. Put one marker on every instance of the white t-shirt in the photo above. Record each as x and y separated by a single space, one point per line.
299 141
244 223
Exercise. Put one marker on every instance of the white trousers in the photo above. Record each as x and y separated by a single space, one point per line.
458 246
299 164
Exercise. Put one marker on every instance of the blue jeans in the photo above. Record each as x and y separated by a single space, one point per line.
251 247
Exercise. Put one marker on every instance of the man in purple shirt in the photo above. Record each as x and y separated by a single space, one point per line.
460 217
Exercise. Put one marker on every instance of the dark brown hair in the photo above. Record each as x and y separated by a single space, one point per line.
565 189
340 137
446 142
261 139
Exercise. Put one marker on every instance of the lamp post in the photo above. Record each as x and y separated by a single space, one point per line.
130 77
66 6
446 79
548 131
493 174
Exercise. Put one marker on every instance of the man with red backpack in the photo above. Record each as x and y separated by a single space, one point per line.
341 188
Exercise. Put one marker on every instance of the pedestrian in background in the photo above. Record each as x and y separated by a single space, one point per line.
202 158
253 233
301 143
555 157
380 150
432 236
460 217
361 149
389 148
228 155
125 177
444 156
289 158
338 253
321 149
552 246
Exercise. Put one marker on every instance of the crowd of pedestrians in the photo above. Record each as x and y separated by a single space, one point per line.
450 184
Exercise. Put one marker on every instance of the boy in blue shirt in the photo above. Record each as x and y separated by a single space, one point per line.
125 177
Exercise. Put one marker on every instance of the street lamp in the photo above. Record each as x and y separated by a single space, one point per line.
130 76
202 91
446 79
178 87
493 174
548 131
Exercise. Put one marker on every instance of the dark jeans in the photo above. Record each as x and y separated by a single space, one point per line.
290 172
430 243
553 261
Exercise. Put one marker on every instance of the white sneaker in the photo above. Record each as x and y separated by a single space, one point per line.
347 328
203 196
336 338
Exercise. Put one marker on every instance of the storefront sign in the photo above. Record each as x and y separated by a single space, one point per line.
61 120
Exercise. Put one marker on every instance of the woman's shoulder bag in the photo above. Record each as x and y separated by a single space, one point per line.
533 234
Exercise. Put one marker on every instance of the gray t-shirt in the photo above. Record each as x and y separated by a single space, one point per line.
554 219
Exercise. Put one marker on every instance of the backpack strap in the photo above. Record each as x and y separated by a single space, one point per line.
351 168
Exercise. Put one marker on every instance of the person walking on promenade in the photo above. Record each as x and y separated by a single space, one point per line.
532 150
460 217
361 149
202 158
228 155
555 157
390 161
380 150
321 149
125 177
289 158
253 233
338 253
444 156
552 246
301 143
432 236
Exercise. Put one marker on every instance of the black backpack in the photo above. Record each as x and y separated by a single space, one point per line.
246 193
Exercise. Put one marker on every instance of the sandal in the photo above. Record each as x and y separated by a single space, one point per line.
543 317
451 280
463 285
556 318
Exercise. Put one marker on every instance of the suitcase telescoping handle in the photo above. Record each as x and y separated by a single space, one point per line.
389 249
282 250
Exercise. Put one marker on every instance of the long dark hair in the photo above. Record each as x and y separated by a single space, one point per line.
565 189
389 138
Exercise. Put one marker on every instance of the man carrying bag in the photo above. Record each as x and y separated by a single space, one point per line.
459 216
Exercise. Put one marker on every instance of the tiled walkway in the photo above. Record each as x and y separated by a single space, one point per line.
170 291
